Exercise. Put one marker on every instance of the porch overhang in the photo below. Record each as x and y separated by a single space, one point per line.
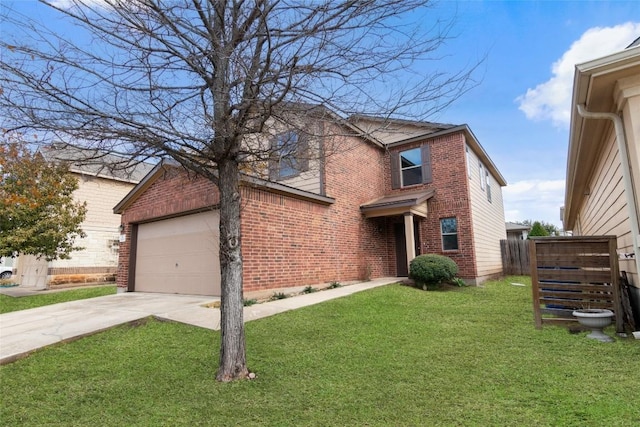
398 204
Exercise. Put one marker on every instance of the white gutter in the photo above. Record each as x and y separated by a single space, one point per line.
626 174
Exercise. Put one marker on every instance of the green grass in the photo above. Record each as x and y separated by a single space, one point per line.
8 303
391 356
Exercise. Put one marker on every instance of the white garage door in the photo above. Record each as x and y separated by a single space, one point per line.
179 255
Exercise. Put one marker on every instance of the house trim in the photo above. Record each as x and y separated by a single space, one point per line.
470 139
274 187
593 82
626 172
415 203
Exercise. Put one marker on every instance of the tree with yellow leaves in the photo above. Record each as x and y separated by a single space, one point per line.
38 215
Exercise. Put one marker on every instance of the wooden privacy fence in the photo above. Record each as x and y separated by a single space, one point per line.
569 273
515 256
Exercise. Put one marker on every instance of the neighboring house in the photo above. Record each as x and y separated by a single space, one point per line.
517 231
101 184
6 267
603 172
363 209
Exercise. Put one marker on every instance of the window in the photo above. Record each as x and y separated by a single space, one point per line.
481 174
488 184
449 230
468 161
290 156
411 167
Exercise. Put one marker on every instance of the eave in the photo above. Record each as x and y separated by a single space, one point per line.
594 88
273 187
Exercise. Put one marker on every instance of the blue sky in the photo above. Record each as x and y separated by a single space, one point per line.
520 110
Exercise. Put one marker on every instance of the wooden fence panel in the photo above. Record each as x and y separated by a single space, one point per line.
515 256
569 273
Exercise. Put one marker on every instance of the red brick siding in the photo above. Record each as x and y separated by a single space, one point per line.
452 199
173 193
355 177
289 242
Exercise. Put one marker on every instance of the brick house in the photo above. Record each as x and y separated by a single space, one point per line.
360 212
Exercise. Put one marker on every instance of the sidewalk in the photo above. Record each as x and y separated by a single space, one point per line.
22 332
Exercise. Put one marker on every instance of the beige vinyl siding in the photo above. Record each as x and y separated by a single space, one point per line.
603 210
308 180
631 115
101 225
487 219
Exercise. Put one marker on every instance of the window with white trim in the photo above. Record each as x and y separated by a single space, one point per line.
481 175
488 184
468 161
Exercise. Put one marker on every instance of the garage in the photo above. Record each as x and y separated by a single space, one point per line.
179 255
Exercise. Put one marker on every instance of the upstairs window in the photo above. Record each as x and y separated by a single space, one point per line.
481 175
488 184
449 231
411 167
290 157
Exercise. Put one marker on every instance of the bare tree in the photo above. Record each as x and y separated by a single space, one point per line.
195 79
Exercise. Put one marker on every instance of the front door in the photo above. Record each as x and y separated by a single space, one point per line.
402 269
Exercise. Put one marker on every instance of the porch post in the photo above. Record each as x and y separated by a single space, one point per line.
409 235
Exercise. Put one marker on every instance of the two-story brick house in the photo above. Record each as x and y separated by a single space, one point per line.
379 198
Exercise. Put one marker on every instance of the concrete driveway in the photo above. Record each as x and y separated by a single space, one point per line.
22 332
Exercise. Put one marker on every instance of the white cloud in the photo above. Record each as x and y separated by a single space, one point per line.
537 200
551 100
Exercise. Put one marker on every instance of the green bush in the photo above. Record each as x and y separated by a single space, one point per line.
334 285
431 269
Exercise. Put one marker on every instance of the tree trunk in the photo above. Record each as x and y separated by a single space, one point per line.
233 364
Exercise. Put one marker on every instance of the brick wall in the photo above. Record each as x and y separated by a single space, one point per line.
287 241
173 193
448 162
290 242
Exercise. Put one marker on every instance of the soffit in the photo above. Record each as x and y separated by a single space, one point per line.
396 204
594 87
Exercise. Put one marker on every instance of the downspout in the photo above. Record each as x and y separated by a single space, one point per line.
626 174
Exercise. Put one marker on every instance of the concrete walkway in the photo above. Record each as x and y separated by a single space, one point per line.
22 332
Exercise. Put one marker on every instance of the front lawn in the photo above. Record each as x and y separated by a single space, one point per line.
391 356
9 303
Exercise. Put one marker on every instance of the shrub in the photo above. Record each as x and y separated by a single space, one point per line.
431 269
458 282
278 295
309 290
250 302
334 285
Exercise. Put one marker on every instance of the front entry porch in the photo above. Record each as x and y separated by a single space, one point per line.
409 209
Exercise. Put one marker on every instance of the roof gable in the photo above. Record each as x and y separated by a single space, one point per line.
98 163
